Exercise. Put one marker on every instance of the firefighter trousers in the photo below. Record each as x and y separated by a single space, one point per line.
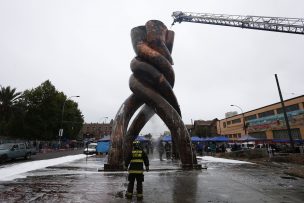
139 187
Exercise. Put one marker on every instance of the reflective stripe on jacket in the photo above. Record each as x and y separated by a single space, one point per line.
136 160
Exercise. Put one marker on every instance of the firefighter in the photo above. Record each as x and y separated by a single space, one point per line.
135 161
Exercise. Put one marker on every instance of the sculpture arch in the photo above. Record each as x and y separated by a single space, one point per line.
151 83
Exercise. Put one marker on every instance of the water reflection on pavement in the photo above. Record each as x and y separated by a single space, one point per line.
81 181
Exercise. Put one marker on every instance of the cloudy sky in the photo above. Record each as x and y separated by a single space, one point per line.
84 48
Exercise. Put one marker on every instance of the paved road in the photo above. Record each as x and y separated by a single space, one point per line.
80 181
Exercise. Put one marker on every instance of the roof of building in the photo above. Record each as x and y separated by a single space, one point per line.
189 126
205 123
202 122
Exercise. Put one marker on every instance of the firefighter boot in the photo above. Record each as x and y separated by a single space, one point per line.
129 195
140 196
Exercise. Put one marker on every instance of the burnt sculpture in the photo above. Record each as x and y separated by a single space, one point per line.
151 83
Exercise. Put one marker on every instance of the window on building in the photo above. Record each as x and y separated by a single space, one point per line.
228 122
259 135
236 121
224 124
283 134
289 108
266 113
251 117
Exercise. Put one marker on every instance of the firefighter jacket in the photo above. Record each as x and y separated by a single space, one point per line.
136 159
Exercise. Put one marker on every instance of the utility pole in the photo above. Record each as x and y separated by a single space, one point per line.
60 134
285 114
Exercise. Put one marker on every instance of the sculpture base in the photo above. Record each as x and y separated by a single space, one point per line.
191 166
108 167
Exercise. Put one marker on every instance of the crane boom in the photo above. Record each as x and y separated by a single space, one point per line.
276 24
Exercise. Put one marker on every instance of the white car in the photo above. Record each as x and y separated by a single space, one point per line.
90 149
248 145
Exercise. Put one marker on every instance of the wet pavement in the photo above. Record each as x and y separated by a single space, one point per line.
83 181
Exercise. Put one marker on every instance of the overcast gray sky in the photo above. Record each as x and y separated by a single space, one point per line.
84 48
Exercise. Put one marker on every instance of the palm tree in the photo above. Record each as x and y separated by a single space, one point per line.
8 99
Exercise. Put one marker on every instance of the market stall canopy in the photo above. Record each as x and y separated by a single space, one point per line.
248 138
141 139
167 138
196 139
219 139
287 140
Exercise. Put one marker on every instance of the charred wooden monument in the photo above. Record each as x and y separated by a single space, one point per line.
151 83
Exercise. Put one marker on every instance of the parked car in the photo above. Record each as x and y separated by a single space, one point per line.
260 146
248 145
10 151
90 148
231 147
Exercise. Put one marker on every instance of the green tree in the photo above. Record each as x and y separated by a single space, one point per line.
43 116
8 108
72 120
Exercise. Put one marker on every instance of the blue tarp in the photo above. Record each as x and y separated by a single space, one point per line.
248 138
287 140
168 138
203 139
196 139
141 139
103 146
219 139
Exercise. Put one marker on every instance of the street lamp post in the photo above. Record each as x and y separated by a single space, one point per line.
61 123
105 119
244 124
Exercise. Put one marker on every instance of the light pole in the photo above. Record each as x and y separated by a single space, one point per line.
244 124
105 119
61 126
